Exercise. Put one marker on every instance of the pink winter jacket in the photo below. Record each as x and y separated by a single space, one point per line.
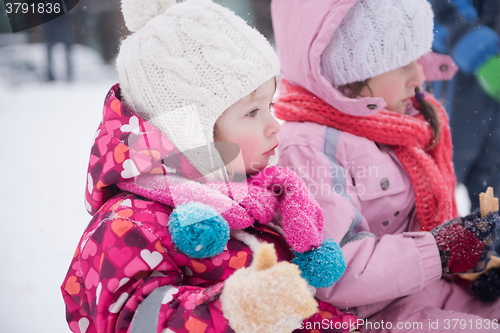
126 257
366 195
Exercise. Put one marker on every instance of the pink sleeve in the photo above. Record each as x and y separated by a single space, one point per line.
378 270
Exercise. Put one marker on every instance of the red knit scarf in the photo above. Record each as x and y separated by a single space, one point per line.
431 172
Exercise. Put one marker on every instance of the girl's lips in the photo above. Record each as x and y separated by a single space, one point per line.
270 152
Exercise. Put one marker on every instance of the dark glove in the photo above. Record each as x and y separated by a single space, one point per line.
466 243
487 287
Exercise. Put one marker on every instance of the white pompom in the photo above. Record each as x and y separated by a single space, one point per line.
138 12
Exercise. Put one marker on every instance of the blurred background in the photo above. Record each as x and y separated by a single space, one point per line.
53 80
81 45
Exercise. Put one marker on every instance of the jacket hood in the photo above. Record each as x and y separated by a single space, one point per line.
303 29
127 146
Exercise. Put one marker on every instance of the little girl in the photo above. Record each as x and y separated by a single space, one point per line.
376 154
171 241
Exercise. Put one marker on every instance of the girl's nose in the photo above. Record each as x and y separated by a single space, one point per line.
417 77
272 127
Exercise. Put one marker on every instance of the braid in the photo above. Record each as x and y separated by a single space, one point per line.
430 115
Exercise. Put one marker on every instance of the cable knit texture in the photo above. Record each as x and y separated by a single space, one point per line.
431 172
138 13
377 36
187 63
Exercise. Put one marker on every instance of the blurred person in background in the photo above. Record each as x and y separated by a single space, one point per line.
468 30
263 23
257 13
101 25
58 31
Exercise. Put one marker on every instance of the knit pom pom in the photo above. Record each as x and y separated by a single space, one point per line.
138 12
198 230
322 266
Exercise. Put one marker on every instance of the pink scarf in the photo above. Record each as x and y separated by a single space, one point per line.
273 189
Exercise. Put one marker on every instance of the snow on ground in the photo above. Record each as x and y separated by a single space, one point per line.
47 133
46 138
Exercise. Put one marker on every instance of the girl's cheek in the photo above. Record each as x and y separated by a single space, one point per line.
247 141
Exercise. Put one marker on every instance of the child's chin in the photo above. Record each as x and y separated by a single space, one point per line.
254 169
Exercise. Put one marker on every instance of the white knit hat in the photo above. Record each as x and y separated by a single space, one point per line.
185 64
377 36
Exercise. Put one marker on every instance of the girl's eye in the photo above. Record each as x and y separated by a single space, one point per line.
252 113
